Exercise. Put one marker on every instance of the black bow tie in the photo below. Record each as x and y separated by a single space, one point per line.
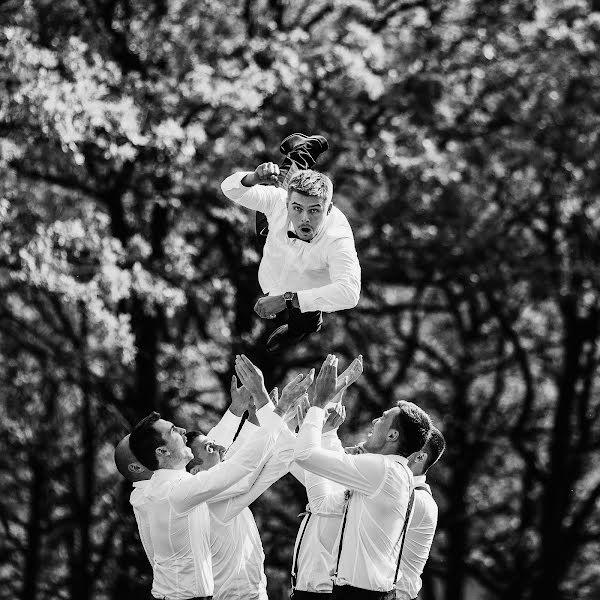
295 236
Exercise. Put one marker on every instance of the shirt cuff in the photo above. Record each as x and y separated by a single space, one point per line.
233 187
315 416
268 419
306 300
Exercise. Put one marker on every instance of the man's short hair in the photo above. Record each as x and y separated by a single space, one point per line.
144 440
311 183
191 436
435 446
413 424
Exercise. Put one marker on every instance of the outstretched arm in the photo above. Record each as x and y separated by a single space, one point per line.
206 485
275 468
344 290
251 190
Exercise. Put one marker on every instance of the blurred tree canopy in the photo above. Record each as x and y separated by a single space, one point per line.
464 142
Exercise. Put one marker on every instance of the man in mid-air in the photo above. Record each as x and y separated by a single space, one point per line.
309 263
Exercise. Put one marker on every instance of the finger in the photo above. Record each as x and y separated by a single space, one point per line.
249 364
233 385
274 395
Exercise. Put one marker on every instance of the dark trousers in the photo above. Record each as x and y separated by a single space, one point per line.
308 322
301 595
348 592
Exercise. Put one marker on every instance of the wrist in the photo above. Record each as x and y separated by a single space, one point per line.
279 412
261 398
295 301
237 411
249 180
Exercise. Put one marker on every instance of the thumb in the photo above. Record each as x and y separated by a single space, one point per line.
274 395
233 384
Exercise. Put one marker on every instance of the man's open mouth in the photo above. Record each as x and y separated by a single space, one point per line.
306 230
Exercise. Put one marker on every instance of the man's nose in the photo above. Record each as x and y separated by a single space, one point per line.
181 430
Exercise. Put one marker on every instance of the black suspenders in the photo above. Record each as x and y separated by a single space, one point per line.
411 501
295 563
337 564
403 534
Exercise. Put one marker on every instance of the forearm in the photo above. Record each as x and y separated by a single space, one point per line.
359 473
256 197
275 468
339 295
224 431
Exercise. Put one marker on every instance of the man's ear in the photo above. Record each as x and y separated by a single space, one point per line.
135 468
330 206
421 457
162 451
195 469
392 435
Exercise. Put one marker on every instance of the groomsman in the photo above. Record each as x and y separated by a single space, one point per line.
380 490
423 522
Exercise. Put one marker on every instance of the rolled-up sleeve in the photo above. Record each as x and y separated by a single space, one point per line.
344 290
263 198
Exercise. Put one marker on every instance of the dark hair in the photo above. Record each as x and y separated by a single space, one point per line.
435 446
191 436
144 440
413 424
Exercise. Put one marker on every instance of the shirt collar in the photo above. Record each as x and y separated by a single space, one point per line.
419 479
169 474
399 459
141 484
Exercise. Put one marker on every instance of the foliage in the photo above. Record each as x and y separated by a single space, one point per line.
464 143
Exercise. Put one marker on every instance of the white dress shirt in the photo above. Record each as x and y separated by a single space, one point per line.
173 517
380 487
419 537
237 553
325 273
314 558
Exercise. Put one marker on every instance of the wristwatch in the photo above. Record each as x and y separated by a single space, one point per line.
288 297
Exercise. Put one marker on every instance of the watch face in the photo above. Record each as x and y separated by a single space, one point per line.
288 296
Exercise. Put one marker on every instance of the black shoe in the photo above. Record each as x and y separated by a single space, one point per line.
291 141
304 150
281 338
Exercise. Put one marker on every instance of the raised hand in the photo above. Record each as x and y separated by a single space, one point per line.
336 416
293 390
274 396
252 379
326 384
349 376
297 412
265 173
240 398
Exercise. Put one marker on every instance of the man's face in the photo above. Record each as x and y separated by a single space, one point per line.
174 441
306 214
377 438
206 453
